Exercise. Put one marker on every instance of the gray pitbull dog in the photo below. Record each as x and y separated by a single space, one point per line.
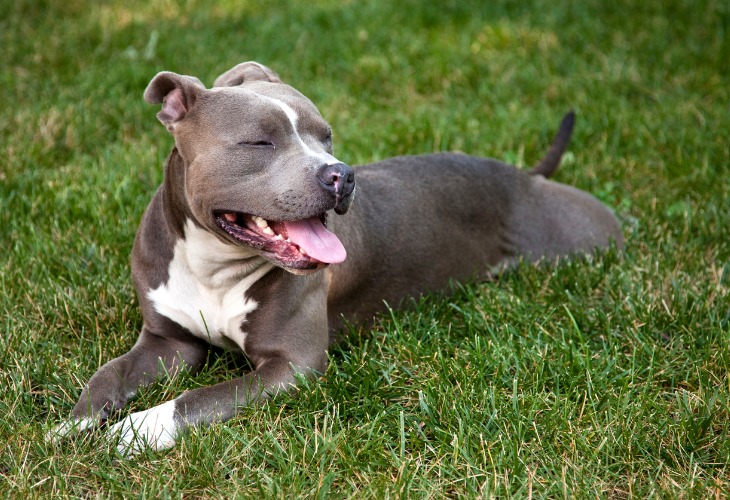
235 248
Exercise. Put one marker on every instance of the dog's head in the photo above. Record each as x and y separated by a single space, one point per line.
259 167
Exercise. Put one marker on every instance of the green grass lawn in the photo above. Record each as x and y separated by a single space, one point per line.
606 378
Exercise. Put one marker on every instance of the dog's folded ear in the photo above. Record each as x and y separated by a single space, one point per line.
250 71
177 93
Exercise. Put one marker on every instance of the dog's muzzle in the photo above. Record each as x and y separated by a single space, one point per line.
339 180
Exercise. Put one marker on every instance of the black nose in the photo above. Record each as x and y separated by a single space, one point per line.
339 180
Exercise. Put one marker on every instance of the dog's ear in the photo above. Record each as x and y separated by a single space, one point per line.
177 93
246 72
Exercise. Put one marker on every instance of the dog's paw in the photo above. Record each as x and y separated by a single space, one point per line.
69 428
154 428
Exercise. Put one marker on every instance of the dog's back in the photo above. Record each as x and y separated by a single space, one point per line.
428 219
434 218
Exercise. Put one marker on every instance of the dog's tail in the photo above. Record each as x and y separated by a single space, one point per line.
551 160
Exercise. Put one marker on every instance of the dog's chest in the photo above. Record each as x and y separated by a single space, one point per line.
206 287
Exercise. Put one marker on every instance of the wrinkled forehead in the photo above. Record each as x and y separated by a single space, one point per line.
264 99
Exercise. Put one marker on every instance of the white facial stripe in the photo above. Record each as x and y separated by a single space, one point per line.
326 158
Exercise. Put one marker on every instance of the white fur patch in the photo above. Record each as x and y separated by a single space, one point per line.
68 428
205 290
154 428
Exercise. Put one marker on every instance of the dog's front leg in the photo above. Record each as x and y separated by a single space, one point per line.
286 335
158 427
118 380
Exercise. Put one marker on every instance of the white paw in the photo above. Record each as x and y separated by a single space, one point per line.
69 428
154 428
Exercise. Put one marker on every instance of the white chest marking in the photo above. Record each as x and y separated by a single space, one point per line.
206 287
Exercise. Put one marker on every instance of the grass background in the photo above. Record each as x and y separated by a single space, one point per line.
596 379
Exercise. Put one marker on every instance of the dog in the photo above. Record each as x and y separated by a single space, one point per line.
253 243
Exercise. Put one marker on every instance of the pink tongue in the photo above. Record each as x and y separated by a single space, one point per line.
312 237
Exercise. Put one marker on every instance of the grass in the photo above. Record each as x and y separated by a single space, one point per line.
600 378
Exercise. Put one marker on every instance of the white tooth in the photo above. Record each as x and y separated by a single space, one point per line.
259 221
267 230
301 251
278 237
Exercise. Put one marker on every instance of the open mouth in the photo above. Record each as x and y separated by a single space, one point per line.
303 244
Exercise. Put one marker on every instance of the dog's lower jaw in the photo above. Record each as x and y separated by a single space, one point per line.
285 244
306 272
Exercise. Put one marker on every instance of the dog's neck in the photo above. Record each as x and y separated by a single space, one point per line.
176 207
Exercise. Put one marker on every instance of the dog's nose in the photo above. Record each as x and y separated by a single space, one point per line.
339 180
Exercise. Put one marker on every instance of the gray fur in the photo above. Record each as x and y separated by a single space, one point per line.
418 222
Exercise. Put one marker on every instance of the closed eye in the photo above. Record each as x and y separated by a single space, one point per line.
257 144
